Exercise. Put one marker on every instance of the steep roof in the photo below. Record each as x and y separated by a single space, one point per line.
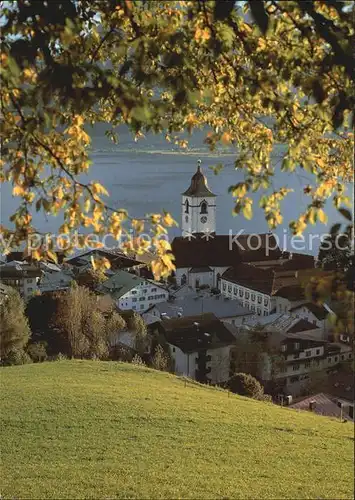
292 292
322 406
195 333
120 283
320 312
260 280
302 325
16 269
198 186
222 250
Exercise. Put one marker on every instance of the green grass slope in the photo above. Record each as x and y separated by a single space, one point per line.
81 429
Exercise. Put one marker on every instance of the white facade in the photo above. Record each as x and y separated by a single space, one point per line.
196 279
185 364
198 215
260 303
143 296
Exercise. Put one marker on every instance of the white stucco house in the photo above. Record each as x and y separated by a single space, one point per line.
200 347
22 276
291 300
130 291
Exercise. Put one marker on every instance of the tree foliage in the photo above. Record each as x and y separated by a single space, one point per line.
84 326
14 329
246 385
168 67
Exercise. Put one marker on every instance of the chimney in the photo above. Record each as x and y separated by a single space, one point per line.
312 405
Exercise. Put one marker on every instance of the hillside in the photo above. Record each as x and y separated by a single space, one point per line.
80 429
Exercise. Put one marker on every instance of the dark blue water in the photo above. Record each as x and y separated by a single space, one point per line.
149 176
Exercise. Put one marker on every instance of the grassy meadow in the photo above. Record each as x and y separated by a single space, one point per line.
82 429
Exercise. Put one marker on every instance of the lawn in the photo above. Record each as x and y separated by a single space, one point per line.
82 429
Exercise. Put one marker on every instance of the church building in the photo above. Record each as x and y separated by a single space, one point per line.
202 255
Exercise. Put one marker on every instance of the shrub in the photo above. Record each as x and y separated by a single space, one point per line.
17 357
160 359
137 360
37 352
246 385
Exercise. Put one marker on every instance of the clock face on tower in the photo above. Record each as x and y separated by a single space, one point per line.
203 219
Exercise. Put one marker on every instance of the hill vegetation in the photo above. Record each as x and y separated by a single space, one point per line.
91 429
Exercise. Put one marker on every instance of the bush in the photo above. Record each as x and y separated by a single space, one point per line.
37 352
17 357
160 359
246 385
137 360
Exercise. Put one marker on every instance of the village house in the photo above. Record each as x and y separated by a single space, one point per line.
200 347
302 356
130 291
22 276
321 404
223 308
292 300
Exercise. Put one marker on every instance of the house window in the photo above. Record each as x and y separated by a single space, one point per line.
203 208
296 345
317 352
186 207
307 364
295 356
349 356
224 286
260 299
308 354
134 308
145 291
183 279
230 288
342 356
296 367
30 289
258 310
153 290
336 359
142 306
235 290
294 379
253 308
253 296
314 321
141 298
173 349
266 302
265 313
240 292
134 292
329 360
284 348
247 294
29 281
134 299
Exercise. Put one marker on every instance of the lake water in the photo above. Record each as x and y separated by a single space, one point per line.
149 176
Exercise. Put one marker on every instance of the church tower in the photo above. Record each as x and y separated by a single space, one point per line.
198 207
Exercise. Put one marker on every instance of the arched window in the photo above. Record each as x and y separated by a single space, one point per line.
186 206
203 208
183 279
